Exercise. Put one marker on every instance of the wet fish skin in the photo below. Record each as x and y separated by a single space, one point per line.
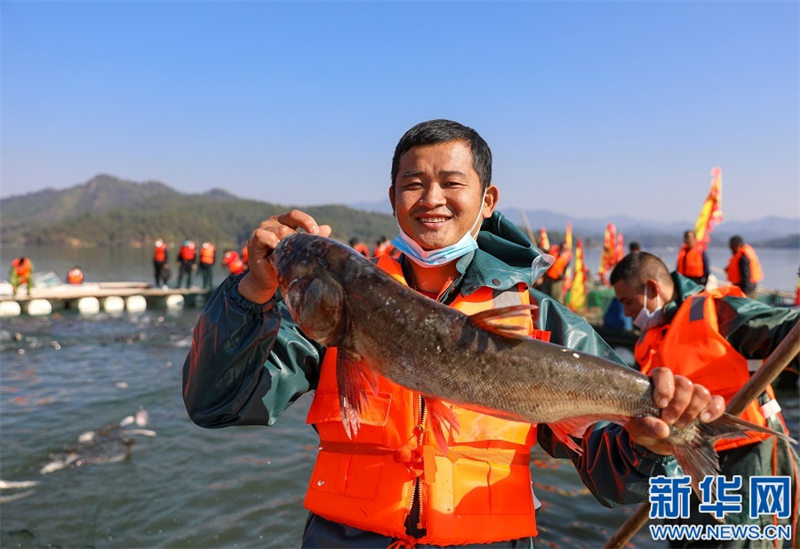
340 299
419 343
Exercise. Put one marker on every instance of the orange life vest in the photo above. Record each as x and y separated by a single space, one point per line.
556 270
479 492
160 252
188 251
75 276
732 270
690 261
692 346
362 248
234 263
207 252
23 269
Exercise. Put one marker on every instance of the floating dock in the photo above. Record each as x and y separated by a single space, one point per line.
111 297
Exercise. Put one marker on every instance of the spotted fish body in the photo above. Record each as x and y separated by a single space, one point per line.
340 299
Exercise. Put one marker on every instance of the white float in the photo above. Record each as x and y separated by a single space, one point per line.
113 304
6 289
38 307
135 304
88 305
174 302
9 308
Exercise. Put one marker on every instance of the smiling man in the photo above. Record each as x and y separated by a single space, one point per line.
389 484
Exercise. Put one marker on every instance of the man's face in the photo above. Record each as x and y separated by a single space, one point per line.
632 300
437 195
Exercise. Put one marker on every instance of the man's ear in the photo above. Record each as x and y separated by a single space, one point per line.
391 198
652 288
490 200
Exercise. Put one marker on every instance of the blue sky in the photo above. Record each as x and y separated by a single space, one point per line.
589 107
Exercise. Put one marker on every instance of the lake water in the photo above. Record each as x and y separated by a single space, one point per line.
64 374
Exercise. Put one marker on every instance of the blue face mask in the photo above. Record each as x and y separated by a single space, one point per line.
647 319
434 258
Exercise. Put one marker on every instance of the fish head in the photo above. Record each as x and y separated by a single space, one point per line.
310 270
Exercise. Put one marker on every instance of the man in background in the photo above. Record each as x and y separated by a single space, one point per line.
186 258
208 256
160 262
21 272
692 259
708 336
744 268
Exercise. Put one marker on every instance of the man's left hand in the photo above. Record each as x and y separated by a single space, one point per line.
681 402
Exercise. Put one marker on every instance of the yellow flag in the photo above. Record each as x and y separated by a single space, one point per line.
577 290
711 212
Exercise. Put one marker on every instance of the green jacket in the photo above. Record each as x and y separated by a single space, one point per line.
249 362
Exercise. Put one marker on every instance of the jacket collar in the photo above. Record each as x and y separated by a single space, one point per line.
684 288
503 258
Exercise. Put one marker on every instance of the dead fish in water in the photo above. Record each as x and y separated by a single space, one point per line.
341 300
109 444
15 485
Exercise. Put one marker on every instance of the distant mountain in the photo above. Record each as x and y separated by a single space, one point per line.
108 211
768 231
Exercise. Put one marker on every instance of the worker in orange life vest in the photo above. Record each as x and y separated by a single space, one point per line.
708 337
233 262
692 259
160 262
744 268
360 247
383 247
75 275
186 258
21 272
249 361
208 256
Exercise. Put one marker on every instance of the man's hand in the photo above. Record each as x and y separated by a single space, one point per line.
261 282
681 402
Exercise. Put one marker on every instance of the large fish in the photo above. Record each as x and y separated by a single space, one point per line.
340 299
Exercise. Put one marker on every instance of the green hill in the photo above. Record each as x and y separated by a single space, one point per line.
107 211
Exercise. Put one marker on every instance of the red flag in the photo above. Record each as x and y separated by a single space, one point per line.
608 257
544 242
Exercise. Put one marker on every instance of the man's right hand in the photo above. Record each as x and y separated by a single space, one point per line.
261 282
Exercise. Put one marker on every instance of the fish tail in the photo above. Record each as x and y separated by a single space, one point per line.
695 453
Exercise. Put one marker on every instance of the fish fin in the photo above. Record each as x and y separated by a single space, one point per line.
442 421
565 429
696 454
492 320
351 379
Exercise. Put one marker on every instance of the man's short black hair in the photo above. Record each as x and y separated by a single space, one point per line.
636 268
442 131
735 242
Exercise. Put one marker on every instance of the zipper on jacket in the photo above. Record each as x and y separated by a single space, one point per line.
414 524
